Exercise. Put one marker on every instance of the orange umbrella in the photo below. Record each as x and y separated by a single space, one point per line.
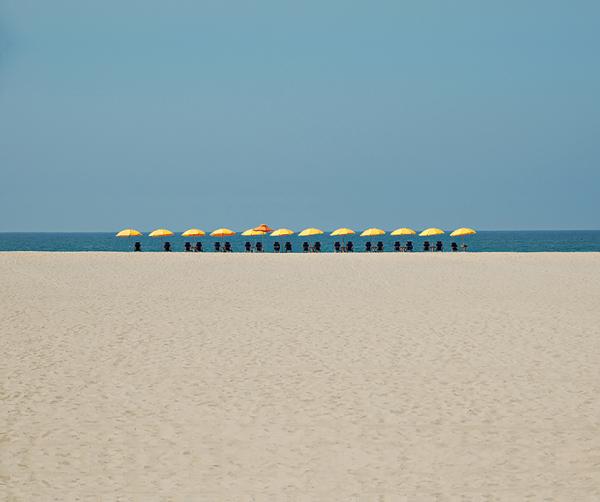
263 228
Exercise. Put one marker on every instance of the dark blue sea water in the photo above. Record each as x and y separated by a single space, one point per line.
484 241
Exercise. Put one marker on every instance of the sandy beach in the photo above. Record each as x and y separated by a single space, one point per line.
300 377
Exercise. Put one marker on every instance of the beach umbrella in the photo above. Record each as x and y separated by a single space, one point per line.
430 232
281 232
160 232
371 232
342 231
193 232
310 231
129 232
403 231
222 232
263 228
252 232
462 231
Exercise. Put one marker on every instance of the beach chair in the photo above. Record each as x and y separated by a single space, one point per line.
349 247
368 246
217 246
276 247
464 247
198 247
426 246
336 247
248 247
397 246
137 246
305 247
439 246
259 247
167 246
409 246
288 247
228 247
454 247
317 247
379 246
187 247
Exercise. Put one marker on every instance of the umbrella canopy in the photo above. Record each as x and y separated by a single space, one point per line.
431 231
343 231
462 231
193 232
403 231
160 232
263 228
129 232
252 232
310 231
282 231
222 232
370 232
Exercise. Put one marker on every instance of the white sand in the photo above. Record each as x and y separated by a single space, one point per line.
299 377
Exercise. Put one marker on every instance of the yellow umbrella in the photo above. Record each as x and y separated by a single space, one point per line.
193 232
251 232
129 232
310 231
462 231
160 232
431 231
403 231
222 232
370 232
281 232
342 231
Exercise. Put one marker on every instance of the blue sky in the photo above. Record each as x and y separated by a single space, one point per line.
329 113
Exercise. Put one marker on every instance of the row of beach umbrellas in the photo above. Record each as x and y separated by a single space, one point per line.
265 229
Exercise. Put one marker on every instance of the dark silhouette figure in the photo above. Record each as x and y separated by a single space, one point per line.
317 247
454 247
305 247
379 246
439 246
167 246
198 247
137 246
187 246
217 246
288 247
259 247
350 247
426 246
409 246
276 247
397 246
336 247
368 246
248 247
228 247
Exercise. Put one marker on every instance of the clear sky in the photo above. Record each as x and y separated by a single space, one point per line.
321 113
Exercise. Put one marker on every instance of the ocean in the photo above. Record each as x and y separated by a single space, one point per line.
483 241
